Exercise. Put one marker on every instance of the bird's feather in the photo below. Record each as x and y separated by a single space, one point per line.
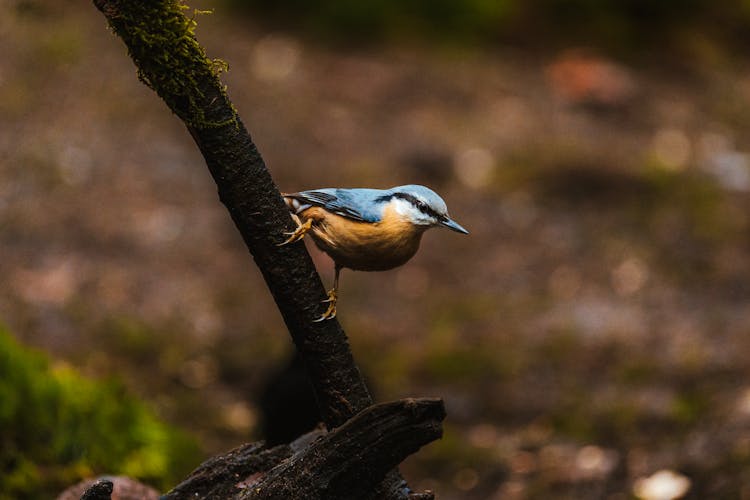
355 204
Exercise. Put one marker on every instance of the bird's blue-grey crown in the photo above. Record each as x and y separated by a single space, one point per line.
418 204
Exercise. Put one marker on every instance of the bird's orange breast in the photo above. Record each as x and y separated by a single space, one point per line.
364 246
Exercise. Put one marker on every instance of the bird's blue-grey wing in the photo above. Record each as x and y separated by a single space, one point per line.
355 204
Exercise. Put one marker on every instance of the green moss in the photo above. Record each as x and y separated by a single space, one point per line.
161 41
59 427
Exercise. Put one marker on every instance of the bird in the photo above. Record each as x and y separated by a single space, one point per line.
366 229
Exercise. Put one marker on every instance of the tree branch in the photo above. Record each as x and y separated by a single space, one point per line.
353 459
161 41
162 44
348 462
100 490
218 476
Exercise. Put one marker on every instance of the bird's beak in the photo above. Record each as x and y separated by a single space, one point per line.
453 225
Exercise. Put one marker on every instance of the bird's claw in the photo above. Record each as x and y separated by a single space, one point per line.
330 312
297 234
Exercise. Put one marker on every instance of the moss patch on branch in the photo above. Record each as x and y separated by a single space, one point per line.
161 41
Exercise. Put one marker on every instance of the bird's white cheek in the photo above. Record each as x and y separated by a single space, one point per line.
405 210
410 213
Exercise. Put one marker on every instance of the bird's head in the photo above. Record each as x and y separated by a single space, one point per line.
422 207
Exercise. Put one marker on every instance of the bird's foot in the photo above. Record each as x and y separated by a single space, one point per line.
299 233
330 313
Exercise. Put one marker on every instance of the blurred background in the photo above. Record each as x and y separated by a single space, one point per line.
590 337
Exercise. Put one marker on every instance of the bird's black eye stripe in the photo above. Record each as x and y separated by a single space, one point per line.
419 204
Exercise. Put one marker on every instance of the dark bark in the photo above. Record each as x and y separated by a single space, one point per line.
219 476
248 192
351 461
161 42
347 463
100 490
106 487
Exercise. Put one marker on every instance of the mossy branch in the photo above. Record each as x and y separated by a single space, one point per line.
161 41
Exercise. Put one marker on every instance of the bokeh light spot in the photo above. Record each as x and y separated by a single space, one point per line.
474 167
630 276
275 58
672 148
466 479
662 485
